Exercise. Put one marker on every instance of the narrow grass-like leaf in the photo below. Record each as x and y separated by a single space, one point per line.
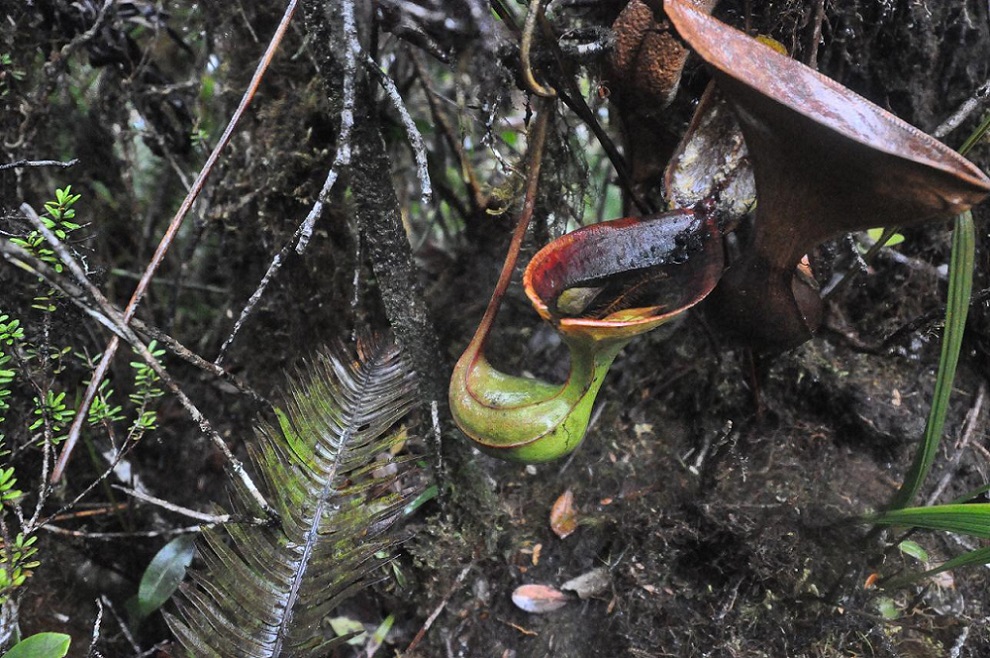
972 519
957 307
972 494
266 592
977 135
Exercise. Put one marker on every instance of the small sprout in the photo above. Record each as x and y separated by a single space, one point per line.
876 233
887 608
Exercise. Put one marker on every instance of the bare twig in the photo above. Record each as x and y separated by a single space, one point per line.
255 297
970 105
574 99
928 319
476 195
123 626
97 624
212 519
109 536
816 35
39 163
78 42
187 285
969 429
436 612
412 132
20 257
118 324
342 159
166 242
535 145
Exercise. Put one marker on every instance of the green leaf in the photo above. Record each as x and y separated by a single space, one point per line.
428 494
268 590
957 307
972 519
913 549
352 629
876 234
164 573
41 645
887 608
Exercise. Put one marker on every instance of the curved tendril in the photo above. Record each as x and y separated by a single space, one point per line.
525 48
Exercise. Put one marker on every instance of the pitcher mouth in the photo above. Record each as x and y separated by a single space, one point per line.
624 277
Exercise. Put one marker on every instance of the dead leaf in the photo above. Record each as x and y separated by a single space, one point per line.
642 429
539 599
589 584
563 518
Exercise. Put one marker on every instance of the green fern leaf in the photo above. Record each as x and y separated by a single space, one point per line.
266 591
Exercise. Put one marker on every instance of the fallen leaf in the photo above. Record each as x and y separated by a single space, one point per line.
563 518
642 429
589 584
539 599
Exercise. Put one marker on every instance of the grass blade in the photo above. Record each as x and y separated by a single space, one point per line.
957 307
972 519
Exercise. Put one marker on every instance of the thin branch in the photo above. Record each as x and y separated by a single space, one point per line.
121 624
970 105
927 320
342 158
477 197
120 327
107 536
535 145
39 163
412 132
574 99
969 429
273 269
78 42
166 242
212 519
97 624
23 259
436 612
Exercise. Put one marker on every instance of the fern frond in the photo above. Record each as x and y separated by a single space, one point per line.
266 591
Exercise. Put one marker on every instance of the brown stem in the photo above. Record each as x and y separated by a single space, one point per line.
166 242
537 141
529 28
